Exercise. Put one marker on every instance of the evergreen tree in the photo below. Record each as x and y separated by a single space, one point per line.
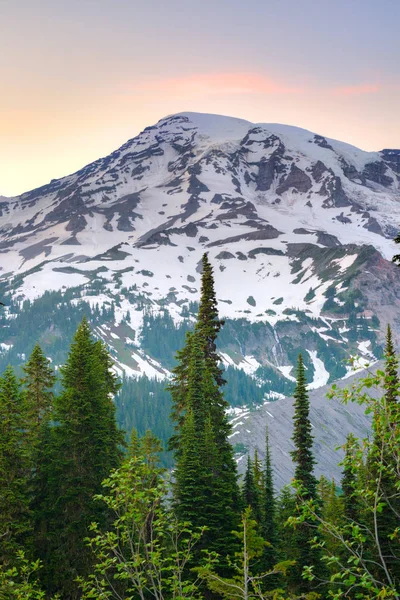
38 382
208 323
331 512
258 473
201 477
178 390
383 466
391 381
269 524
134 446
245 582
305 532
303 440
285 508
351 502
15 519
205 465
190 475
251 492
84 448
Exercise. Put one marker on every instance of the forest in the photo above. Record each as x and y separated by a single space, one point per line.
87 512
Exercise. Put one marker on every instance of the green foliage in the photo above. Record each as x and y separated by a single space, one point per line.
84 446
244 583
251 491
302 436
20 581
146 552
366 563
15 519
205 471
305 531
351 504
38 382
269 525
144 404
161 336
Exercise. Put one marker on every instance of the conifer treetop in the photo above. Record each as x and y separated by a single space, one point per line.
302 436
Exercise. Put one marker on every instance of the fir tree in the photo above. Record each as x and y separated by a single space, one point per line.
85 447
331 511
205 465
178 390
285 508
351 503
15 519
250 492
201 477
391 381
258 473
269 525
38 382
303 440
190 475
134 446
305 532
208 323
383 466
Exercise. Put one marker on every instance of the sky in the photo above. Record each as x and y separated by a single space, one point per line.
80 77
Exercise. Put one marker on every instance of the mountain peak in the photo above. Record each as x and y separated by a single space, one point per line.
288 217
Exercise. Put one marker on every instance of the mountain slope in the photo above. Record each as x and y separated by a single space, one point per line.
298 227
331 422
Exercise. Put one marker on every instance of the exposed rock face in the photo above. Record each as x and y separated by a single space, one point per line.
296 179
392 159
376 171
317 170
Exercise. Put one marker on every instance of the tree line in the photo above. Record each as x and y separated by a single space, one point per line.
83 514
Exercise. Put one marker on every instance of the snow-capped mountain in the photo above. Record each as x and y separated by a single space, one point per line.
299 228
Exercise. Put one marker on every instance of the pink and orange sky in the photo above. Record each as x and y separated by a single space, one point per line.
80 77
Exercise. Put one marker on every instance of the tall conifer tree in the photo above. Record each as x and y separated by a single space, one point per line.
205 465
85 447
38 381
383 465
178 389
351 504
251 492
269 525
208 322
15 519
305 532
302 437
258 472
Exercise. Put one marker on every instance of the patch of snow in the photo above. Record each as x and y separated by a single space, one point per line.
273 395
364 348
345 262
321 375
285 370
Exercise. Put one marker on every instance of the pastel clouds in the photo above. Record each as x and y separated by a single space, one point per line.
242 83
357 90
218 84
